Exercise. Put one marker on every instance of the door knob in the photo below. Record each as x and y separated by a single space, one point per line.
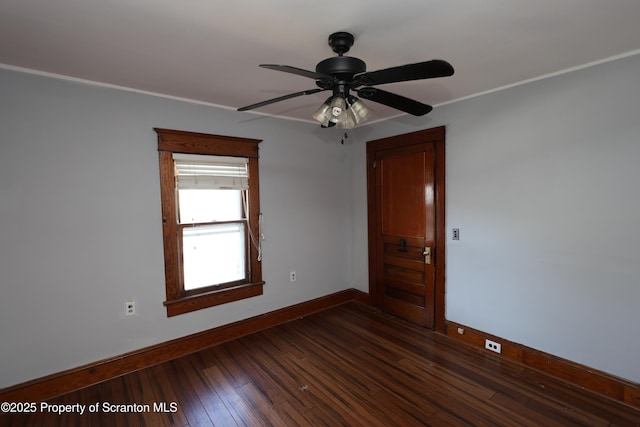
427 255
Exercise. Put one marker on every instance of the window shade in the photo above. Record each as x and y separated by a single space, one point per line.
210 172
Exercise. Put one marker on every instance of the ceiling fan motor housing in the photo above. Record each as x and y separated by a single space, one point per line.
341 67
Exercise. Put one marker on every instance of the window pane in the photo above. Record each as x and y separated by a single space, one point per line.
213 254
209 205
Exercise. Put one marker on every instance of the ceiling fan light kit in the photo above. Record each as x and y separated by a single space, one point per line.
338 109
359 109
341 112
343 74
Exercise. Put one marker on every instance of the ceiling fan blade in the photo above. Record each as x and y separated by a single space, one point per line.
422 70
393 100
280 98
299 72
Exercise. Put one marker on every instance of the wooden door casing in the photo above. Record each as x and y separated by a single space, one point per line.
401 226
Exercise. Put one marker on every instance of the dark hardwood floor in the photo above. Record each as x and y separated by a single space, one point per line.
347 366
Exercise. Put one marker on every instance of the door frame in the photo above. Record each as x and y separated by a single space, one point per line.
437 135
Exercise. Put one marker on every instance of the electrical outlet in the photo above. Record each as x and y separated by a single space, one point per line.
292 276
493 346
130 308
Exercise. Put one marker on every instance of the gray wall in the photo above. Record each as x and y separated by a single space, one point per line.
80 223
542 181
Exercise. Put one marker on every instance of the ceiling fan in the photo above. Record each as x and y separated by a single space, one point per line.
344 74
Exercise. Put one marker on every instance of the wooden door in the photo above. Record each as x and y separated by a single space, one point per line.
406 247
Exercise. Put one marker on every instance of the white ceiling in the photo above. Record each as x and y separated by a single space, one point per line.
209 50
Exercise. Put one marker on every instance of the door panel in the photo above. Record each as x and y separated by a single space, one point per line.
402 191
402 195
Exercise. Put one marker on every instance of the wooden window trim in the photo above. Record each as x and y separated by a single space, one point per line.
173 141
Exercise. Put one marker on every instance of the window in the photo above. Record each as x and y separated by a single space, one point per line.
211 219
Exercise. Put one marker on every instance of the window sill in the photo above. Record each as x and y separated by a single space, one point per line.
212 298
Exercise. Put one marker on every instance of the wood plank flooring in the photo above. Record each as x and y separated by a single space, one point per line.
347 366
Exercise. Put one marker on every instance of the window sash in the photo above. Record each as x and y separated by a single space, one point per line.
218 205
212 266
